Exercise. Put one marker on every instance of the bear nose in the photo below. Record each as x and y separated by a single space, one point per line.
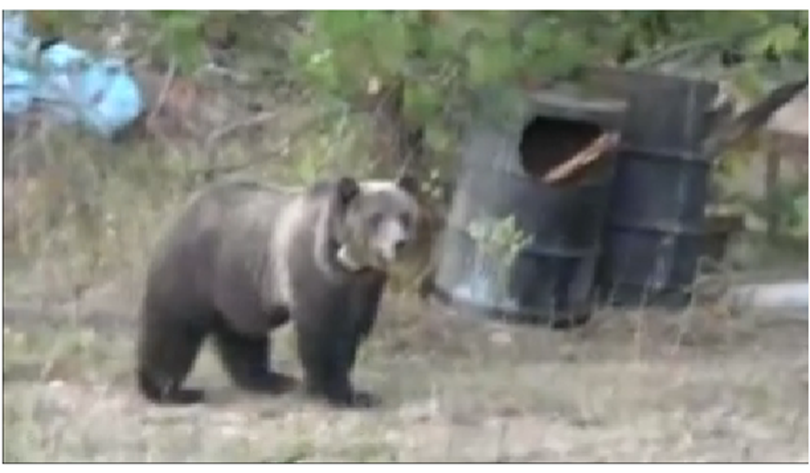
399 246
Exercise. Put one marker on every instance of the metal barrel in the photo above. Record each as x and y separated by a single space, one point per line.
550 279
655 231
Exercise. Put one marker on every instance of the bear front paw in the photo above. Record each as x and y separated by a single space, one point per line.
364 399
343 396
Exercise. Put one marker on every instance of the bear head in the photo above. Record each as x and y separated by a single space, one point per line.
376 221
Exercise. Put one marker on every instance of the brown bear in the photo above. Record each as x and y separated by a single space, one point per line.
243 259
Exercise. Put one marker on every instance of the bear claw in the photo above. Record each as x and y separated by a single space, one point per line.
180 397
355 399
364 399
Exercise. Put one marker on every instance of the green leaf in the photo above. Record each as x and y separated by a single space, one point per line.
341 25
443 56
421 100
783 38
748 80
539 38
800 211
439 139
477 63
390 46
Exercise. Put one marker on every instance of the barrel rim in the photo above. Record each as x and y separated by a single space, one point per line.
561 99
607 111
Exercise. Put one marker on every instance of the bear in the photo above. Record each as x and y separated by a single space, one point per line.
245 258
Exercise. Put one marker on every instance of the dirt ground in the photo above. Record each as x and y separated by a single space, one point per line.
627 387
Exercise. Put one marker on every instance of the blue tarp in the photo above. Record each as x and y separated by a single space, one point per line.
65 82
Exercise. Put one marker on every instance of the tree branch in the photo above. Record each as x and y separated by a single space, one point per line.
699 47
751 119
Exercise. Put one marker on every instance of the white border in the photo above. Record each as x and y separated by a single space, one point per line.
415 5
515 5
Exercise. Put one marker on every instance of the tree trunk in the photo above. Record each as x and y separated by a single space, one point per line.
397 143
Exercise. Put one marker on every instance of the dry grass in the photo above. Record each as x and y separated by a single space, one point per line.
455 389
628 387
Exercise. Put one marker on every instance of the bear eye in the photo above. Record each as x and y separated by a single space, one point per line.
376 219
405 219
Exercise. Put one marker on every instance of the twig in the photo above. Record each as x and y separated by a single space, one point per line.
164 91
221 132
696 45
237 77
677 50
594 151
213 170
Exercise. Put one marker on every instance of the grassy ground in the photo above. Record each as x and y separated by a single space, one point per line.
455 389
628 387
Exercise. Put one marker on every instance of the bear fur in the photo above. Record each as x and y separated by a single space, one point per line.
243 259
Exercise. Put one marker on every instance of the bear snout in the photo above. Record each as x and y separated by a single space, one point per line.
389 253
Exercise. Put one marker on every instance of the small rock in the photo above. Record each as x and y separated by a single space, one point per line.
56 384
501 338
420 412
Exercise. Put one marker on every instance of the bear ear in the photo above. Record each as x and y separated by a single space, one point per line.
347 189
408 183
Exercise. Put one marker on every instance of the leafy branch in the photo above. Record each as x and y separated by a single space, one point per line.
500 241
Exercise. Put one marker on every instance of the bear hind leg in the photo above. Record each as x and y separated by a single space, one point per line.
245 360
167 355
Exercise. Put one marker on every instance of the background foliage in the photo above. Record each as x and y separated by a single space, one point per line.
414 71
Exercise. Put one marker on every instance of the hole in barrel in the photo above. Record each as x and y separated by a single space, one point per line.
548 142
